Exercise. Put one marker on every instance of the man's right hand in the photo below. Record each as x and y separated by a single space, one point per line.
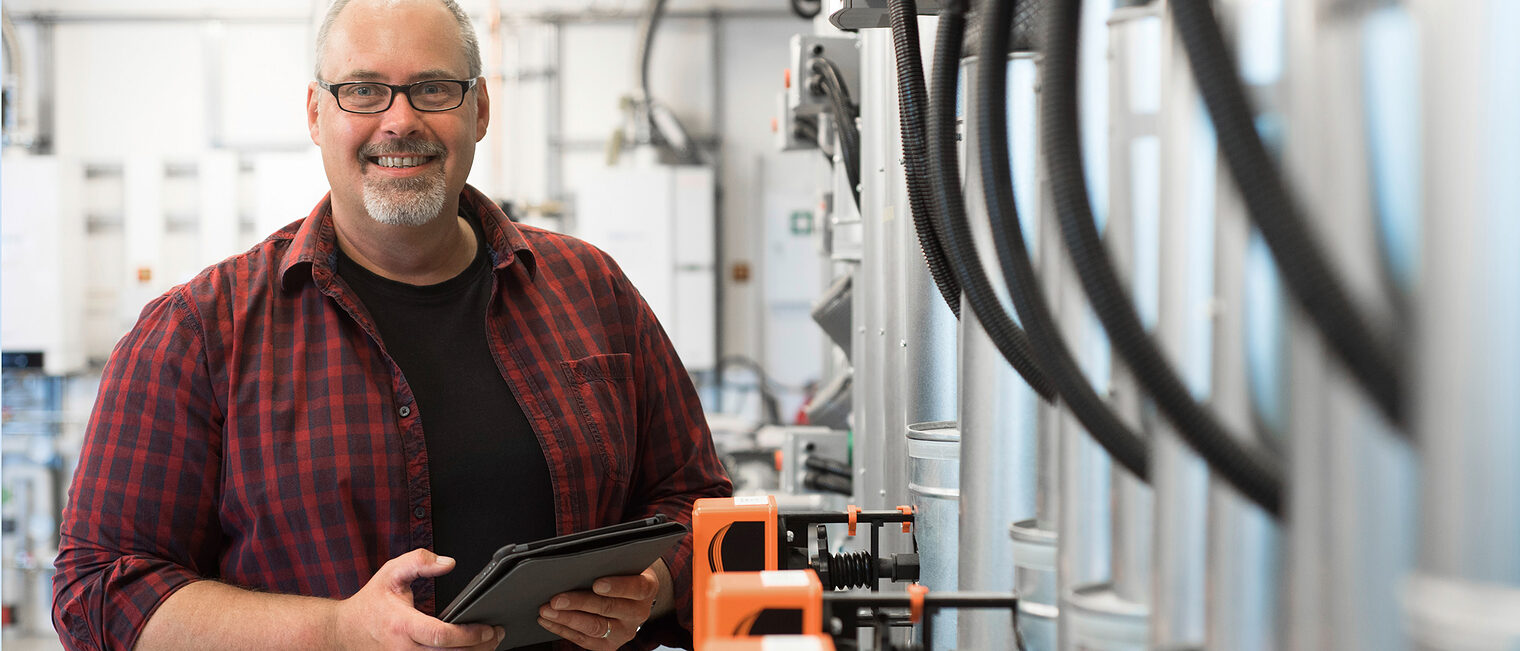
381 615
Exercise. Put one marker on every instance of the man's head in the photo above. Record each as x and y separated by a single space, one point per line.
400 165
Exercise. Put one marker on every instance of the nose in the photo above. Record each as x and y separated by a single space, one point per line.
401 119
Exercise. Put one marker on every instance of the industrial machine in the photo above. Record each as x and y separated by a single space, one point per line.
1172 309
750 534
749 604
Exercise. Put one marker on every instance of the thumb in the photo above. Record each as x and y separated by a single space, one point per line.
415 564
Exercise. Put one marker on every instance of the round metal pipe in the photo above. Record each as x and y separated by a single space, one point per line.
870 430
1134 37
934 481
999 447
1180 476
1242 540
1358 538
1468 311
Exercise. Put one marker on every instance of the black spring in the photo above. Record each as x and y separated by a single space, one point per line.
850 570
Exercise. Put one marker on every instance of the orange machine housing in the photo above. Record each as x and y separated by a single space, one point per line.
771 643
729 534
785 602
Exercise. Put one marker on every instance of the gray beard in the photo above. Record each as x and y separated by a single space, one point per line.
406 202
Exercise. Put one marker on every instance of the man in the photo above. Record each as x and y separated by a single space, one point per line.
280 442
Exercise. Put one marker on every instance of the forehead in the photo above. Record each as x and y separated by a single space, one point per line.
394 39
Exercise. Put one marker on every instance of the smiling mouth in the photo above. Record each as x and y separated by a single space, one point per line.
400 161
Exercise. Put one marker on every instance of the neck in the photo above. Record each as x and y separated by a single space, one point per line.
416 255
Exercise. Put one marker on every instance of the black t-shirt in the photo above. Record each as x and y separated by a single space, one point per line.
490 481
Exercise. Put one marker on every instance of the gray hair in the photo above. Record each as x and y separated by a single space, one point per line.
467 38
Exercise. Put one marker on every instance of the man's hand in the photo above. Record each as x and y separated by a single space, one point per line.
381 614
607 617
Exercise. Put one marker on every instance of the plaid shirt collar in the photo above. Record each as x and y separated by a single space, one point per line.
313 245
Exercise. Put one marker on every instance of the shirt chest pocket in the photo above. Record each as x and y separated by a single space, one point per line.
602 388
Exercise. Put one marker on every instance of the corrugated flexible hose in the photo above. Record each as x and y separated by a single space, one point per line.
1127 448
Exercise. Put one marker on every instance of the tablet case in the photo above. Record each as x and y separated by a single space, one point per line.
521 578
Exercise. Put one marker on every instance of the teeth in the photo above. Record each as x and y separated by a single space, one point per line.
397 161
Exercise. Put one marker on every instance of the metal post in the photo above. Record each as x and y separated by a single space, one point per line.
1468 311
1180 478
999 452
1354 498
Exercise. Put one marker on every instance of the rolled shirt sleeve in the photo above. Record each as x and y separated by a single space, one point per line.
141 521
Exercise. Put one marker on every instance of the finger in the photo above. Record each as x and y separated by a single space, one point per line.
571 603
430 632
488 645
415 564
639 587
612 641
584 621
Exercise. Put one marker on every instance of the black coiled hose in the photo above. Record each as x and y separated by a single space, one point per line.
910 101
951 210
1126 447
1302 263
1255 471
847 571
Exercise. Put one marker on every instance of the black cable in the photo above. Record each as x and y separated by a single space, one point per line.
1255 471
648 23
831 85
965 262
828 82
1126 447
911 96
804 12
1304 267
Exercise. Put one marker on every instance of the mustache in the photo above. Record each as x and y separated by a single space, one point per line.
403 146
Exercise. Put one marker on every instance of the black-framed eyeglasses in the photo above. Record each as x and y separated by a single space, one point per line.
430 96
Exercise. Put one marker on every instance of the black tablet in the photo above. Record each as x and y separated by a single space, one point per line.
521 578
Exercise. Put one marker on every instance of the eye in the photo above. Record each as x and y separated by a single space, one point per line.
432 88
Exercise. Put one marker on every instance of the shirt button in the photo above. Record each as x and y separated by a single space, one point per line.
405 411
419 512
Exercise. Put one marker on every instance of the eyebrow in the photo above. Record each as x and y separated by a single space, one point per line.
371 75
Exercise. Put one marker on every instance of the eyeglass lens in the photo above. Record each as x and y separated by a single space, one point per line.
425 96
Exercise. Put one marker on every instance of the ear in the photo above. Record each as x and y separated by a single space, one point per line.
482 109
312 96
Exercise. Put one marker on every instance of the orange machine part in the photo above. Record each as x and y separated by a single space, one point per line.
907 510
916 592
737 599
712 519
770 643
854 512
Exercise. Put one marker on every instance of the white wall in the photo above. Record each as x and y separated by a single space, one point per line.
151 85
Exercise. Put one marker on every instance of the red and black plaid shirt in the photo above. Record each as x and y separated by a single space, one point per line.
251 428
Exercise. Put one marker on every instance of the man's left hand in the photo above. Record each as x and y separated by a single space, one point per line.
605 618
